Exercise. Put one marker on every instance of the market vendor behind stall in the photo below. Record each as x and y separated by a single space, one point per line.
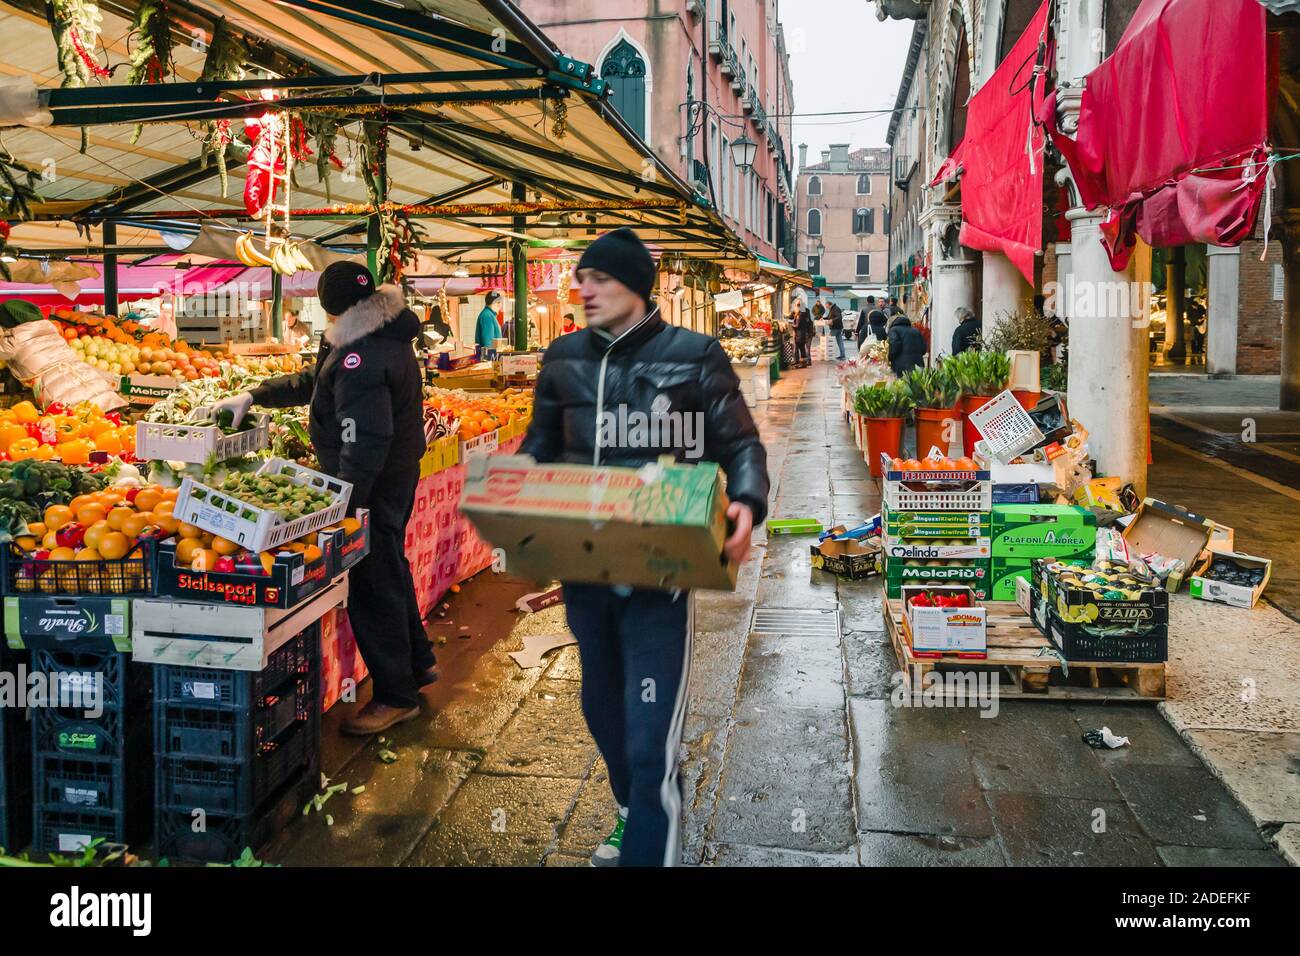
366 418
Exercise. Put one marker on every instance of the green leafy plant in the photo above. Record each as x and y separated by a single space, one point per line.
931 387
979 373
1019 331
1055 378
884 400
151 57
226 57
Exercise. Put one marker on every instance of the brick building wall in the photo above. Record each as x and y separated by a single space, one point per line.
1259 321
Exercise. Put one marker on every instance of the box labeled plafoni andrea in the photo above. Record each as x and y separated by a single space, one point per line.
1042 531
661 525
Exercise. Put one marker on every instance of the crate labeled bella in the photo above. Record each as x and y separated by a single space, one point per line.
90 622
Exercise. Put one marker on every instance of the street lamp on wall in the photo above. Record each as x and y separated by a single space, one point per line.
743 151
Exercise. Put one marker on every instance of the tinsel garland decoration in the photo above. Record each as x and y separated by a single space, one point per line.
151 56
489 209
226 57
76 25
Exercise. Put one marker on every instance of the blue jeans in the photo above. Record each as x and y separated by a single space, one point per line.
839 340
635 664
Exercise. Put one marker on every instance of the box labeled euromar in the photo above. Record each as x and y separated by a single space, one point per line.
945 630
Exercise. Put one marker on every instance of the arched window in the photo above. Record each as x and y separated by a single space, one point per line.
864 185
814 222
864 221
625 72
815 186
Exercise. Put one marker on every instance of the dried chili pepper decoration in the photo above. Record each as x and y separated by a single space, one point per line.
91 63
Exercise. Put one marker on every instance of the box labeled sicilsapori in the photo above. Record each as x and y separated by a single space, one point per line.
1043 531
658 526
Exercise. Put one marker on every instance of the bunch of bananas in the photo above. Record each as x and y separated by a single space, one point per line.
286 259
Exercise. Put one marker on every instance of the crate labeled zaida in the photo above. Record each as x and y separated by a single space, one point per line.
281 501
281 577
203 439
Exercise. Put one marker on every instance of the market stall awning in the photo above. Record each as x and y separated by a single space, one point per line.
1173 127
1000 160
477 100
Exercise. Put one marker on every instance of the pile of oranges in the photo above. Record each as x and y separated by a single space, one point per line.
934 464
68 435
479 413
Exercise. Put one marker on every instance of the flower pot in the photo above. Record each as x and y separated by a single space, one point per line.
969 433
1027 399
884 435
932 429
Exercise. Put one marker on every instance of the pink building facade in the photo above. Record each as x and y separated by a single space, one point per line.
691 77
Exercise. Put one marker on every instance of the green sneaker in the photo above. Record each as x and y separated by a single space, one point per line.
607 853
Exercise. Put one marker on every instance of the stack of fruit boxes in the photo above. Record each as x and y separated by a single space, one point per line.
937 527
1022 533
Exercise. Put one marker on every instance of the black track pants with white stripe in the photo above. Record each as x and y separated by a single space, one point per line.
635 667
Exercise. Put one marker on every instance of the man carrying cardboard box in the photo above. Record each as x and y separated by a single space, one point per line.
635 643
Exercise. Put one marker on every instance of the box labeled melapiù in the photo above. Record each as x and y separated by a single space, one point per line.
658 526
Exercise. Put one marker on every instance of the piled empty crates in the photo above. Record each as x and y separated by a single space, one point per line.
90 762
238 752
937 528
15 759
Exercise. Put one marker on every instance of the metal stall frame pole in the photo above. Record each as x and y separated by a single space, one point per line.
109 235
519 193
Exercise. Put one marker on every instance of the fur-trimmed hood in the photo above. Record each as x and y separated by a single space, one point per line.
369 315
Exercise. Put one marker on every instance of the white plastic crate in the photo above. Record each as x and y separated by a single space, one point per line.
484 444
1005 427
253 527
196 443
975 493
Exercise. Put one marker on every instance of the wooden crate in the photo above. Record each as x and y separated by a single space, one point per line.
1018 651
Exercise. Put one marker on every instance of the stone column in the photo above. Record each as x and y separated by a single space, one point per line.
1223 275
1175 305
1289 400
1058 299
952 275
1108 330
1005 290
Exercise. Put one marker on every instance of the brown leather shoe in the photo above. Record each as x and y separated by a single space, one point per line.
375 718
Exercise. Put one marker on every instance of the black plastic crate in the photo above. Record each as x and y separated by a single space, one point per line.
1076 643
227 787
15 763
124 689
187 835
60 830
205 686
231 733
132 576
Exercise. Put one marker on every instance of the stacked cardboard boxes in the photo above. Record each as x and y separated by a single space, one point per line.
937 529
1023 532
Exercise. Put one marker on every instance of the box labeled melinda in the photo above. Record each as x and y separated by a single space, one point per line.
658 526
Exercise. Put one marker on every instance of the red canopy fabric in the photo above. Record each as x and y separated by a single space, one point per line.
1183 98
1001 156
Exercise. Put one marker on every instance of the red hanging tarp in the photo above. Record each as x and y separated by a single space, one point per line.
1168 122
1001 156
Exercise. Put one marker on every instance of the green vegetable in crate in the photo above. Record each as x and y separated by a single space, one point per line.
277 493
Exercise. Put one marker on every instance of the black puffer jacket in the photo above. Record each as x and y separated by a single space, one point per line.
906 345
367 415
652 369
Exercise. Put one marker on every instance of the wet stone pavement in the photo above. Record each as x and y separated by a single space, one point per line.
793 753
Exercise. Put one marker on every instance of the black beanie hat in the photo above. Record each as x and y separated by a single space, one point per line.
622 255
342 285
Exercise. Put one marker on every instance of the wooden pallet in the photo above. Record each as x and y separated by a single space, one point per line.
1014 646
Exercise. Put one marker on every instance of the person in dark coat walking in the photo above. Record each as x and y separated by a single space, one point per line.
635 643
906 345
836 315
967 333
804 330
367 427
877 319
862 328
